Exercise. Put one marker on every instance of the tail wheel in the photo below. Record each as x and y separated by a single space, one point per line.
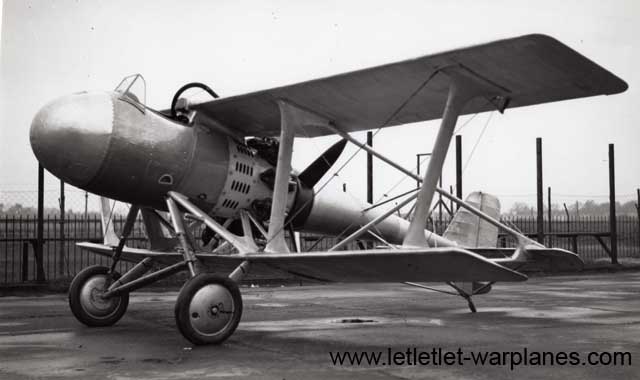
87 303
208 309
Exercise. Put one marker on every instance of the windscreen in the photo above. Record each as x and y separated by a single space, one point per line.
133 88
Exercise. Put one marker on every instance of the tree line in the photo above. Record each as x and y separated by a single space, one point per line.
576 209
17 209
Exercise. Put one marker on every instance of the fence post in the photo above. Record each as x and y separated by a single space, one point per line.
370 169
540 218
458 168
549 226
40 277
39 242
25 261
61 254
613 229
638 212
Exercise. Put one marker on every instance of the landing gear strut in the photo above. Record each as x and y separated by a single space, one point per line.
89 299
208 308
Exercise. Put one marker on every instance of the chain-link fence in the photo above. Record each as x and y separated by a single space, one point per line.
61 258
76 203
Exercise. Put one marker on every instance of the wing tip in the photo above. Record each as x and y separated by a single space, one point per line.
613 84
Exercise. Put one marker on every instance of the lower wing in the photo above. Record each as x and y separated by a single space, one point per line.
384 265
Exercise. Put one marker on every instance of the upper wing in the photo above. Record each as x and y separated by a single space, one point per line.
385 265
526 70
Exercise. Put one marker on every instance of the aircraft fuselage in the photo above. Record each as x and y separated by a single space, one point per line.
109 144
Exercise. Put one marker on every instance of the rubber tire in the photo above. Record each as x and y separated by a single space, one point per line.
183 302
74 299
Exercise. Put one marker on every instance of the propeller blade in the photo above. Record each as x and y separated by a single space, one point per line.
318 168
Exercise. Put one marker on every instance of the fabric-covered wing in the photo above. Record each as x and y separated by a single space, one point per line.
516 72
387 265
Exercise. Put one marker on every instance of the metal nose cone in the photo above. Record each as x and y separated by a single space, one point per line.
70 136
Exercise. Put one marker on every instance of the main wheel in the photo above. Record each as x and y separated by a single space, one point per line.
86 302
208 309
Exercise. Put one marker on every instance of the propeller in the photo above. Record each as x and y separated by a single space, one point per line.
318 168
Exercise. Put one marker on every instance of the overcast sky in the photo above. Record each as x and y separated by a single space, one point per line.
52 48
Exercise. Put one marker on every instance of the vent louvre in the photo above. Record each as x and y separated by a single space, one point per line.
244 150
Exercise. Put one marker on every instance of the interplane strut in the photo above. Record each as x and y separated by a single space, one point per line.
455 101
292 118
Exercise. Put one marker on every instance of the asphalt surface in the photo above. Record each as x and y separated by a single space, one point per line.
289 333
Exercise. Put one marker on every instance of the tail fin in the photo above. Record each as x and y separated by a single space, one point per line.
469 230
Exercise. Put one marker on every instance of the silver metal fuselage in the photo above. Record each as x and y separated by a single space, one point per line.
111 145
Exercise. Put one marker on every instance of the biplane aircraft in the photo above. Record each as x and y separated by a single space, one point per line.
224 167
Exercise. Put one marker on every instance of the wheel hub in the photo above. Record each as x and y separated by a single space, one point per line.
211 309
92 300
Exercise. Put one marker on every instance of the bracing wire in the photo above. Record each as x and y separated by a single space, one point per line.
386 121
486 124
